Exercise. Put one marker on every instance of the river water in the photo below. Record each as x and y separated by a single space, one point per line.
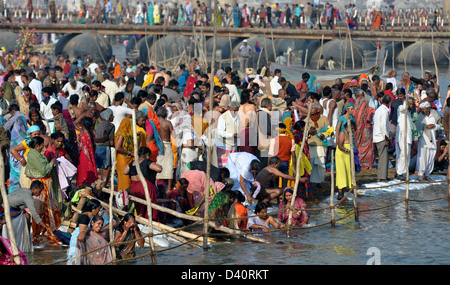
382 237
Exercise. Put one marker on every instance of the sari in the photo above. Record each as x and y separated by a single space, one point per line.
18 135
304 191
297 219
98 244
48 203
238 211
87 169
150 11
125 131
127 249
7 253
378 20
216 209
196 190
363 135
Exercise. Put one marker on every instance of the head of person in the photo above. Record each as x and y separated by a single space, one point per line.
386 100
97 223
144 152
234 107
266 103
183 183
255 166
33 131
37 143
57 139
56 108
92 206
141 117
107 115
305 76
288 193
261 210
425 107
128 220
36 188
275 161
34 115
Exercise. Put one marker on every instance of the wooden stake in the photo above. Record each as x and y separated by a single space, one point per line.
320 55
210 139
111 198
9 226
297 171
421 58
231 50
306 58
406 157
144 184
352 165
393 56
333 210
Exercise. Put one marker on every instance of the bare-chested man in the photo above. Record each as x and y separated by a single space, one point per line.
166 160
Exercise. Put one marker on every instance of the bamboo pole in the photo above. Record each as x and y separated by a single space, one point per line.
265 47
306 58
273 47
321 52
111 198
404 56
297 170
333 210
144 184
259 58
421 58
384 63
231 49
352 166
406 158
183 216
376 57
351 47
393 56
12 237
345 51
435 63
210 139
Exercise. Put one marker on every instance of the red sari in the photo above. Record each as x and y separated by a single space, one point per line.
363 135
87 170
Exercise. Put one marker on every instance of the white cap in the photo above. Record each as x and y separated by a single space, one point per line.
245 41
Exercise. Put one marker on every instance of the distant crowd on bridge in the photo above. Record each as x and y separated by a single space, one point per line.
293 16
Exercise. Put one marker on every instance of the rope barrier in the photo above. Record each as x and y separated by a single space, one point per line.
236 233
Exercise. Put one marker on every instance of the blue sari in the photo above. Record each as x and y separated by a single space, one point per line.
150 11
18 135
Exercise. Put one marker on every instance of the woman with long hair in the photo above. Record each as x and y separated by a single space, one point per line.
92 244
127 231
124 147
87 170
300 216
149 169
48 203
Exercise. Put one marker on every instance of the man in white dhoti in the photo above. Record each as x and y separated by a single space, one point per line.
403 132
426 125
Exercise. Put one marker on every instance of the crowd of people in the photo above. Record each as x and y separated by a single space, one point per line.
64 122
197 13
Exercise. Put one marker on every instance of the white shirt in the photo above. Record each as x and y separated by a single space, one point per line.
381 124
46 109
275 86
71 91
120 113
36 88
92 67
221 130
111 89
